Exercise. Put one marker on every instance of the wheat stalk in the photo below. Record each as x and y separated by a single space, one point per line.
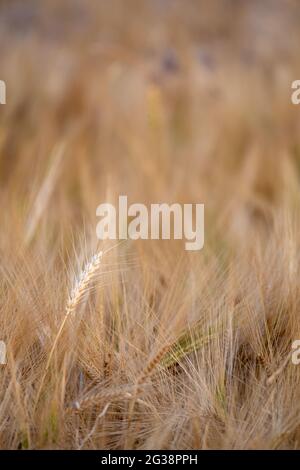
77 294
44 193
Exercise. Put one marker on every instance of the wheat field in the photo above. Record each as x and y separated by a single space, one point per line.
141 344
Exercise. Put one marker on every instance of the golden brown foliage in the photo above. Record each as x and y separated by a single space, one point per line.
164 349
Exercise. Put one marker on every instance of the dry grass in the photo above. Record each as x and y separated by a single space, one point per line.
165 348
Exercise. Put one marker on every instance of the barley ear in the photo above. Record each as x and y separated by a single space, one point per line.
77 294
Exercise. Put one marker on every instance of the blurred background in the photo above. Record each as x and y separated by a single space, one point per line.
160 100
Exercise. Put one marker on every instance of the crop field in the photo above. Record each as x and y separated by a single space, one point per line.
142 344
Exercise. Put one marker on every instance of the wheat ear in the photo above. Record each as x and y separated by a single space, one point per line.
151 366
106 395
78 293
82 283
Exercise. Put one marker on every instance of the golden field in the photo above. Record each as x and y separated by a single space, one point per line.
149 346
